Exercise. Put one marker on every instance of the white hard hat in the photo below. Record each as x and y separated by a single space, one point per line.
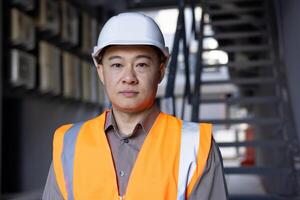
130 29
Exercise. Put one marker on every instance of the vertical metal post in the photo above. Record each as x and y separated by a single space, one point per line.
198 71
1 69
186 49
180 35
170 97
193 7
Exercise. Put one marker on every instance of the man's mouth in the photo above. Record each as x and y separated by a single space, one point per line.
129 93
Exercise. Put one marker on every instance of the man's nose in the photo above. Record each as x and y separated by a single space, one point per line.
129 76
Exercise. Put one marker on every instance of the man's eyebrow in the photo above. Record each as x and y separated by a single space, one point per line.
144 56
137 57
114 57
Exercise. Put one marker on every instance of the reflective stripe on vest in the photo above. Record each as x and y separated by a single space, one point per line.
188 156
68 157
189 146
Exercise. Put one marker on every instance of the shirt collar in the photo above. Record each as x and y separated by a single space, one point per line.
145 123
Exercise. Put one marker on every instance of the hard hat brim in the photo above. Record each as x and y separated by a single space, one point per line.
98 49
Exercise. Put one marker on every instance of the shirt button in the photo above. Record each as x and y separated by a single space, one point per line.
122 173
125 140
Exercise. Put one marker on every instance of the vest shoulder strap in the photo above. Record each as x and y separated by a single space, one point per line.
67 158
194 150
64 146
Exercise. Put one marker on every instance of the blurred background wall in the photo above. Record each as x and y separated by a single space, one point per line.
289 30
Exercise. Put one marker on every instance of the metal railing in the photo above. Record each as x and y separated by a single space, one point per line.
263 59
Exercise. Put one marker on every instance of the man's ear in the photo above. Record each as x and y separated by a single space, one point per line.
162 69
100 72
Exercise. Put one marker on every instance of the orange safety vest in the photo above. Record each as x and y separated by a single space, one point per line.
171 159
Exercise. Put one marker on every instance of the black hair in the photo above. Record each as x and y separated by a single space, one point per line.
160 54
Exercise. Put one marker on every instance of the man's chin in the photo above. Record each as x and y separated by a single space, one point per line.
130 108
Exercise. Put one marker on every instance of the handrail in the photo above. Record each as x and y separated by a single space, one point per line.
180 35
199 69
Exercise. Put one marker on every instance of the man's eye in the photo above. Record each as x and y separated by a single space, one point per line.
142 65
117 65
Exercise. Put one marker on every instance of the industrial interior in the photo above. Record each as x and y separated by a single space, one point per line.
234 63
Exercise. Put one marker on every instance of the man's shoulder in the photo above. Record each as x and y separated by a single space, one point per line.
92 121
171 117
97 119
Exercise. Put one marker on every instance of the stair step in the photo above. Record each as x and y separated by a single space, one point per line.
256 197
257 170
257 143
231 1
242 81
234 22
256 121
243 64
244 100
242 48
234 10
236 35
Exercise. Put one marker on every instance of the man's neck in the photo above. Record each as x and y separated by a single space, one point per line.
126 121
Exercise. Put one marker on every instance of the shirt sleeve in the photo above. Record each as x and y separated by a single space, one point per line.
212 184
51 190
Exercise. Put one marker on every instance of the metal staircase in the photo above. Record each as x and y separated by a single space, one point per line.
246 31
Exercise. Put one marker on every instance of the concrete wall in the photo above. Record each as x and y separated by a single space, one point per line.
29 125
288 16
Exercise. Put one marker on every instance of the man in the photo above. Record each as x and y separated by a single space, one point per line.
133 151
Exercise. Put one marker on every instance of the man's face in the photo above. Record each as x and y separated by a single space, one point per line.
130 75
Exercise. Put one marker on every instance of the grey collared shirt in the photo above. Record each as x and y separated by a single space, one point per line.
210 186
126 148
